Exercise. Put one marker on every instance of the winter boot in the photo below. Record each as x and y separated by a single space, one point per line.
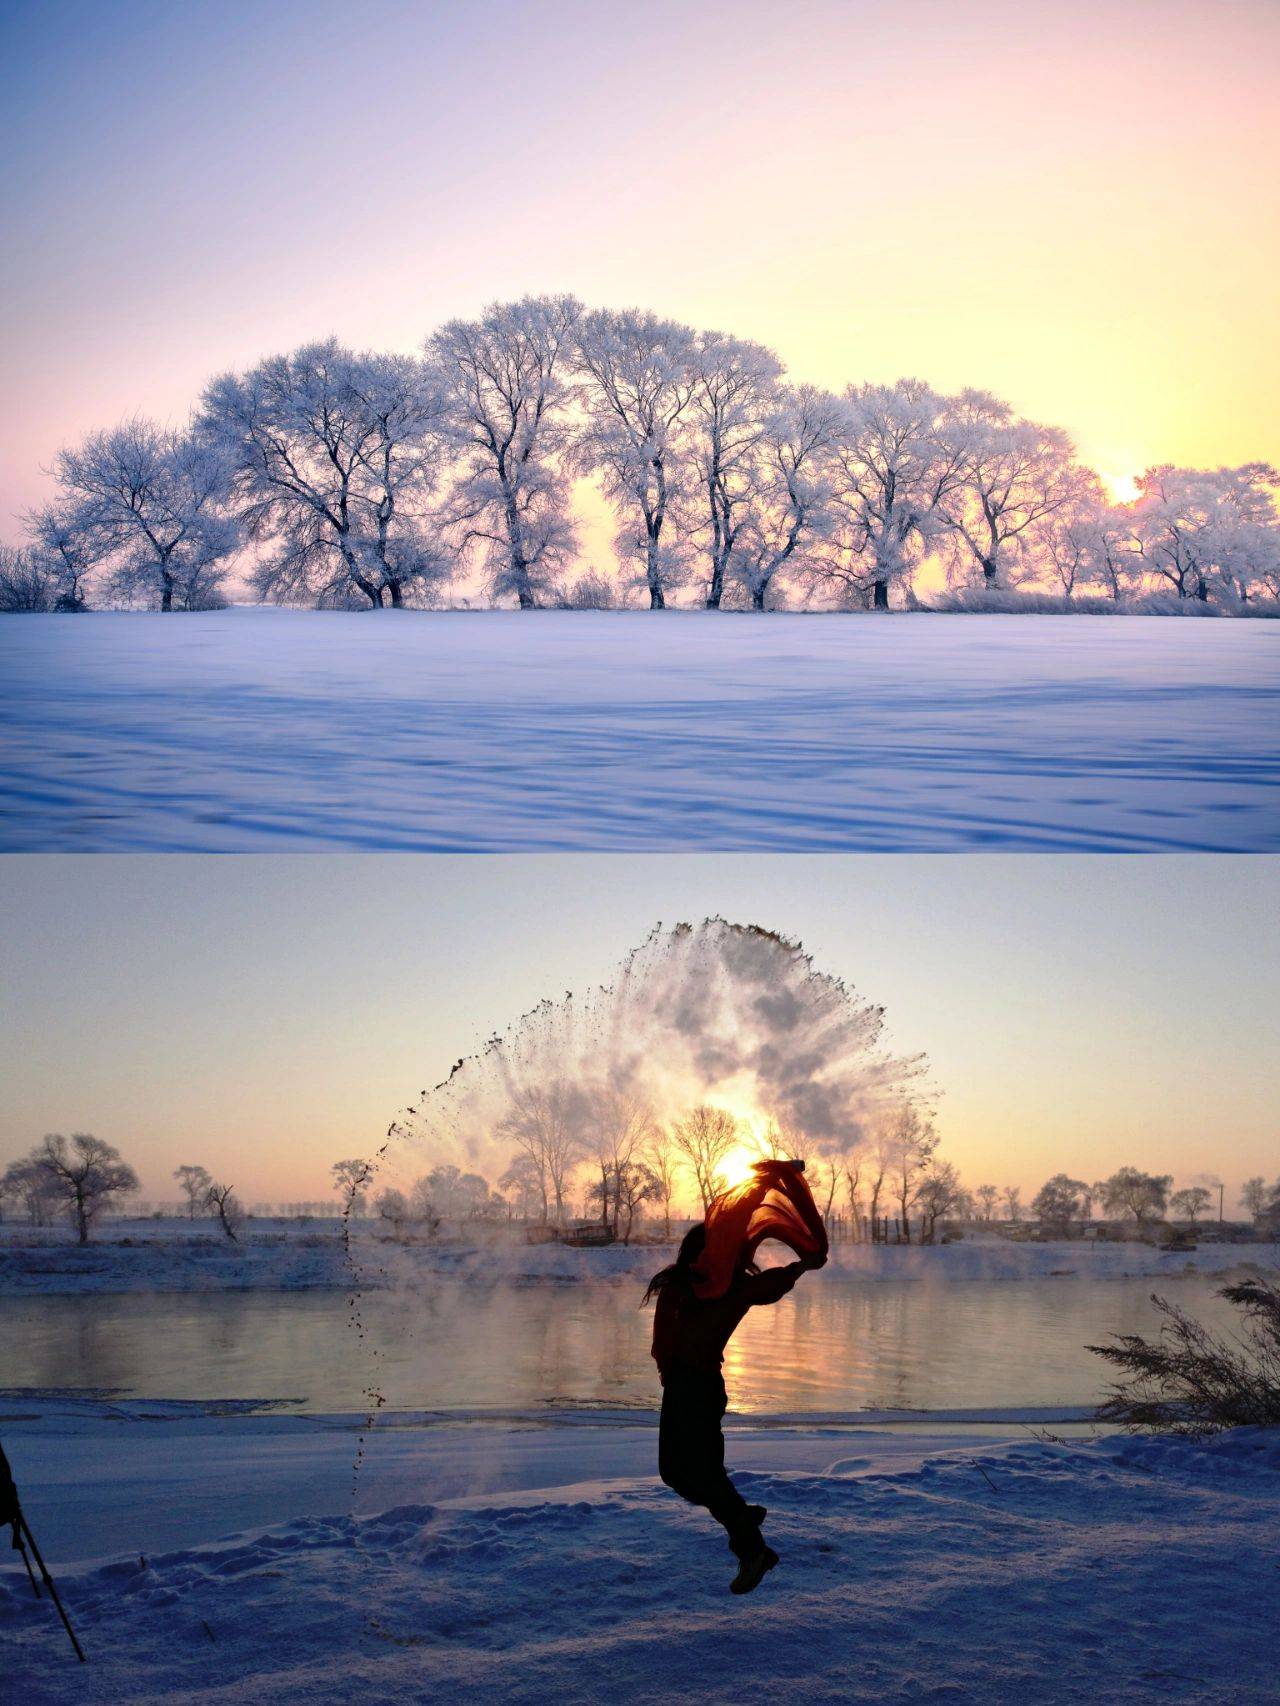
752 1568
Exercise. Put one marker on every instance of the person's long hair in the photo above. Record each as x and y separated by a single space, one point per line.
681 1272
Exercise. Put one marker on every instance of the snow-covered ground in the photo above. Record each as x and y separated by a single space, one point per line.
916 1566
256 729
138 1256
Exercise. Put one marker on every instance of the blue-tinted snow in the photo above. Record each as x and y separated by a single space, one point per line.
262 730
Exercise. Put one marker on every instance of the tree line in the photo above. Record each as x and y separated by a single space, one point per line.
349 479
894 1187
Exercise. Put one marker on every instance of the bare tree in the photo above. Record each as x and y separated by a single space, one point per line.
1191 1202
938 1194
194 1183
1258 1197
706 1137
912 1141
639 380
547 1125
879 1163
1058 1203
635 1185
84 1173
621 1125
852 1185
504 381
148 504
1140 1196
988 1196
662 1155
1012 1203
227 1207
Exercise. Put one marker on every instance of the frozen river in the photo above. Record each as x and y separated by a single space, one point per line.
273 730
834 1345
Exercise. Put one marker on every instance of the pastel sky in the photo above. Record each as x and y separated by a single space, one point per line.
265 1016
1070 202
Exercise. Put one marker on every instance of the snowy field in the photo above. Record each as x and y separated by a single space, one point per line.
149 1255
917 1566
273 730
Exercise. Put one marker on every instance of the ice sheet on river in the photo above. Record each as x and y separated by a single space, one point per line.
260 730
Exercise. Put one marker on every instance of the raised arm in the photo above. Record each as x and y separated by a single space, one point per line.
773 1283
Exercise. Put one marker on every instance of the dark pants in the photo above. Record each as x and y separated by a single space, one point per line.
691 1453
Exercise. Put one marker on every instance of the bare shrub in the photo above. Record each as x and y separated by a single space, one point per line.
1190 1381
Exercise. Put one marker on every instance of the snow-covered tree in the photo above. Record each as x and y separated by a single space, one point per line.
522 1185
393 1207
83 1173
637 381
66 551
27 581
351 1180
1013 475
733 397
789 511
895 466
397 535
455 1195
1087 543
333 455
31 1186
504 379
1209 532
147 505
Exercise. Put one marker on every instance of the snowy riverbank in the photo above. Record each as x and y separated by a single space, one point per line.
546 1562
289 730
171 1256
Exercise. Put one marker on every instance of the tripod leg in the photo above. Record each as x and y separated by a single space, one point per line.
47 1579
19 1546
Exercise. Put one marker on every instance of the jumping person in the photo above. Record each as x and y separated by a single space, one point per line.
689 1337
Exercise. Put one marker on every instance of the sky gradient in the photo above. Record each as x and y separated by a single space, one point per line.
1066 203
266 1015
